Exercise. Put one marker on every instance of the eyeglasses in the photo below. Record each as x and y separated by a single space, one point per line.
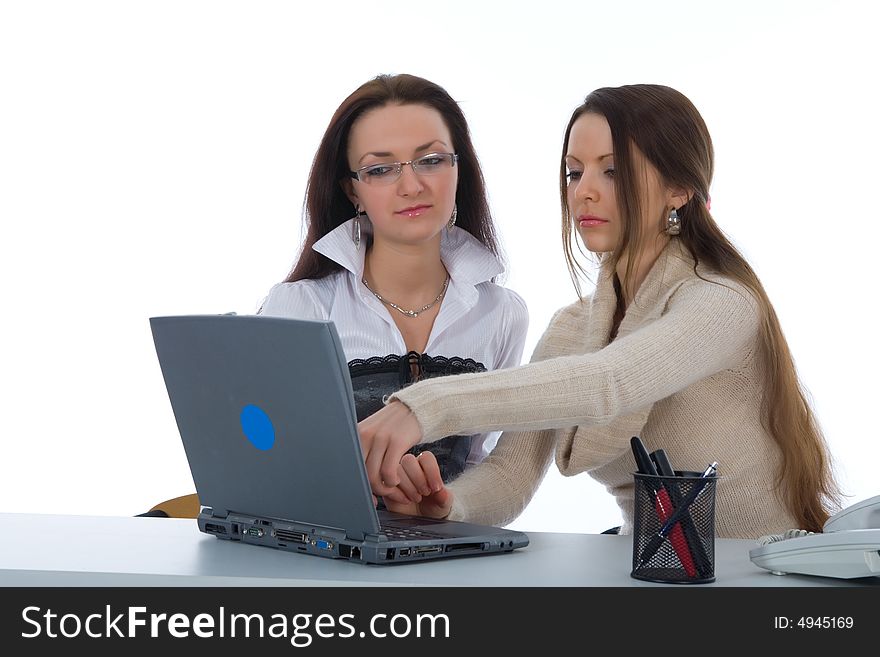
388 172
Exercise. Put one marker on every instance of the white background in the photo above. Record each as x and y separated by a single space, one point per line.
153 160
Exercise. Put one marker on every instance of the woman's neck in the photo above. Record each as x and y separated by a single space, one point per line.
642 262
406 274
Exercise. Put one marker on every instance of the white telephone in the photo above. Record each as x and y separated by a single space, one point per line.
847 547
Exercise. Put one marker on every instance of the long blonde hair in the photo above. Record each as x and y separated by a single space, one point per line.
669 131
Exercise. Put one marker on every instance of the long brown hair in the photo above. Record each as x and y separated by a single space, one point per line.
669 131
327 207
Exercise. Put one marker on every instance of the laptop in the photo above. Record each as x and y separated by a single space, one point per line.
265 409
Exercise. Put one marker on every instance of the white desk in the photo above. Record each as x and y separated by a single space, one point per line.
57 550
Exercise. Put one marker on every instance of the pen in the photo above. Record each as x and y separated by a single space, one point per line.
701 560
663 506
673 520
643 459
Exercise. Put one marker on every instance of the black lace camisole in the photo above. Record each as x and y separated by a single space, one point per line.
374 378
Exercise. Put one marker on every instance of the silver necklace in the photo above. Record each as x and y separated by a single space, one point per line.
408 313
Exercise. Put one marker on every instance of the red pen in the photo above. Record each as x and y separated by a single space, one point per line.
663 506
676 537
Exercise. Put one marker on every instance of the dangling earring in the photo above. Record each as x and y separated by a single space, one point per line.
673 223
356 227
452 219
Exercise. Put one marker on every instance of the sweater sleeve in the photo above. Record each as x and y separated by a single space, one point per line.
707 327
513 329
497 490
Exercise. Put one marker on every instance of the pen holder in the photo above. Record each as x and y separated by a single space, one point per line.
670 545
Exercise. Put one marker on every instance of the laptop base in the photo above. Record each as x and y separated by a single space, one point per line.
334 544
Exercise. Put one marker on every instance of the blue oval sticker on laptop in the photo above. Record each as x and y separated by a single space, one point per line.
257 427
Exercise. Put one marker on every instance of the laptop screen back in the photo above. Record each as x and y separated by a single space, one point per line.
266 414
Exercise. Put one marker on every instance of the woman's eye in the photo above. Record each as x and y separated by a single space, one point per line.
430 161
609 172
574 175
378 171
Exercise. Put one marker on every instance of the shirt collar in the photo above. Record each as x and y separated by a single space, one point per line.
463 255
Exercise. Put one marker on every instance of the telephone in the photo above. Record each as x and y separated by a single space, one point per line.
847 547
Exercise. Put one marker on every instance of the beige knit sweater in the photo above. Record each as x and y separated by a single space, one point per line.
683 373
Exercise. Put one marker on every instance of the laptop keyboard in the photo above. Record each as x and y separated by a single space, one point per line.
409 533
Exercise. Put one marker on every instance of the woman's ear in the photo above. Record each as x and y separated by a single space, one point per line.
348 188
678 196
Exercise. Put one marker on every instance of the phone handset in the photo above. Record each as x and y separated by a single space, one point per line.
848 547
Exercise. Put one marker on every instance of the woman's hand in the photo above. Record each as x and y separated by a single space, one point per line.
421 491
385 437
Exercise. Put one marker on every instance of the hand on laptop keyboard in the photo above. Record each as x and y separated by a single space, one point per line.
421 491
385 437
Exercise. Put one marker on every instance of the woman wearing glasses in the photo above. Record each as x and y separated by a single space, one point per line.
401 252
678 344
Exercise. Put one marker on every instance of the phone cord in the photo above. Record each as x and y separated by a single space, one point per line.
791 533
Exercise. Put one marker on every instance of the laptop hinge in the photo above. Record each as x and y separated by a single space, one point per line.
220 514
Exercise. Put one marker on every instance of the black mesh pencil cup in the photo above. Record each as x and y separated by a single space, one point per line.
674 528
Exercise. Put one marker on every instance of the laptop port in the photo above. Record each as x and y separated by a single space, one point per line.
254 531
291 537
427 549
323 544
350 552
214 529
405 552
461 547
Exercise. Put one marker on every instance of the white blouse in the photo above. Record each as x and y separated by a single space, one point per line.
477 319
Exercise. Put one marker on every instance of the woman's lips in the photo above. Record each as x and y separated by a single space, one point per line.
414 211
590 221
